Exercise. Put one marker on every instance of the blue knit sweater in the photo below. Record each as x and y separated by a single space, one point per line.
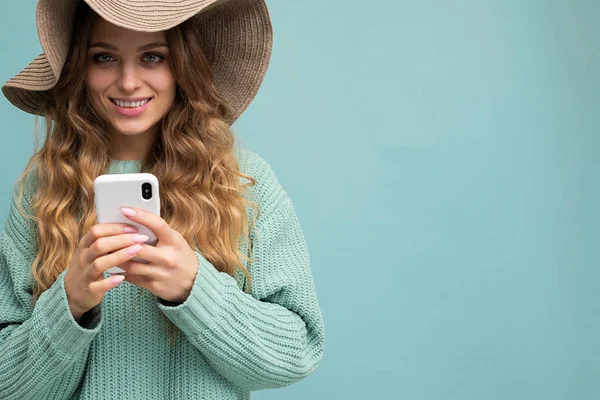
231 342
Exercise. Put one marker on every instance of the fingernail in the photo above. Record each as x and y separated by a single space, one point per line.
128 211
115 280
140 238
130 229
134 249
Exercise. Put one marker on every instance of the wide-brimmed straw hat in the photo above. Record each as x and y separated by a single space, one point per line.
237 41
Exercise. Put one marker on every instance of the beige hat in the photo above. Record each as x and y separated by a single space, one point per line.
238 40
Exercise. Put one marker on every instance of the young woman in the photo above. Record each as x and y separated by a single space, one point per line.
226 304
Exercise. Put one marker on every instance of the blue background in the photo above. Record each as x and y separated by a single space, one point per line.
442 158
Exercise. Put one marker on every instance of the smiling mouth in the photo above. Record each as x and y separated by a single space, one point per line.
131 104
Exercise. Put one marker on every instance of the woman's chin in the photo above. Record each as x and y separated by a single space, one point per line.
132 130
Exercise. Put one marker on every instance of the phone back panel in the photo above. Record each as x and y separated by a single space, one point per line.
114 191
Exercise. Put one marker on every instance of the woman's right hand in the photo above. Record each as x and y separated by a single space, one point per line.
103 247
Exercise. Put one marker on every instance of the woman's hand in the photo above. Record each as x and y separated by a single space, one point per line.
172 266
103 247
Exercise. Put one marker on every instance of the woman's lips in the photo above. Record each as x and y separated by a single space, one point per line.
131 111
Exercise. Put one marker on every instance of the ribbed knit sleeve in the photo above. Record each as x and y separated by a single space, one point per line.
274 336
43 350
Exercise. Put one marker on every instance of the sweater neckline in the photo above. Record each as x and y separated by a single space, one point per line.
124 166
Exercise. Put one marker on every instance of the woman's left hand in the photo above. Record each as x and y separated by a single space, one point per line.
172 266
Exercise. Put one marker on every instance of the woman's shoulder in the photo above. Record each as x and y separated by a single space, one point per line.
30 187
20 222
267 192
251 163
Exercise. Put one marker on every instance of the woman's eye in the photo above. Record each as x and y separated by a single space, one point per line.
153 58
103 58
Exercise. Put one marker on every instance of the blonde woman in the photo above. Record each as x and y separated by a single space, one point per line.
226 304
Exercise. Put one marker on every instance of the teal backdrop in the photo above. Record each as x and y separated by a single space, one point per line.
443 158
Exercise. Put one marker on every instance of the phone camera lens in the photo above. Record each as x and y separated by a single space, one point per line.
147 191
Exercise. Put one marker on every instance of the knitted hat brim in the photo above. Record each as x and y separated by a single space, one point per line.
237 41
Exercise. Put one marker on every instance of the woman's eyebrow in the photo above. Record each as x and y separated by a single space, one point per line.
103 45
115 48
152 46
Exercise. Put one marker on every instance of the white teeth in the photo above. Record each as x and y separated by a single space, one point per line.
130 104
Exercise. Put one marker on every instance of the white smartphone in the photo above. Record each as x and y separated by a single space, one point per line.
113 191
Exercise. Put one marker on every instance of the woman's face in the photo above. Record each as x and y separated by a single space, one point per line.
129 79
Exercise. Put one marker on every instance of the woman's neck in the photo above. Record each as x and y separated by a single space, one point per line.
131 147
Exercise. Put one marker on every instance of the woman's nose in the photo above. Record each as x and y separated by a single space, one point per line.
130 78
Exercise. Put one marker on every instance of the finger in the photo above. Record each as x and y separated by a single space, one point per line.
104 285
156 224
148 271
154 255
101 264
137 280
110 244
101 230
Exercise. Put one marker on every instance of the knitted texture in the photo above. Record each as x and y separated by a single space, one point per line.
231 342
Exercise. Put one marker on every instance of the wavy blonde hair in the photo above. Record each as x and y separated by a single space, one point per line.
202 189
